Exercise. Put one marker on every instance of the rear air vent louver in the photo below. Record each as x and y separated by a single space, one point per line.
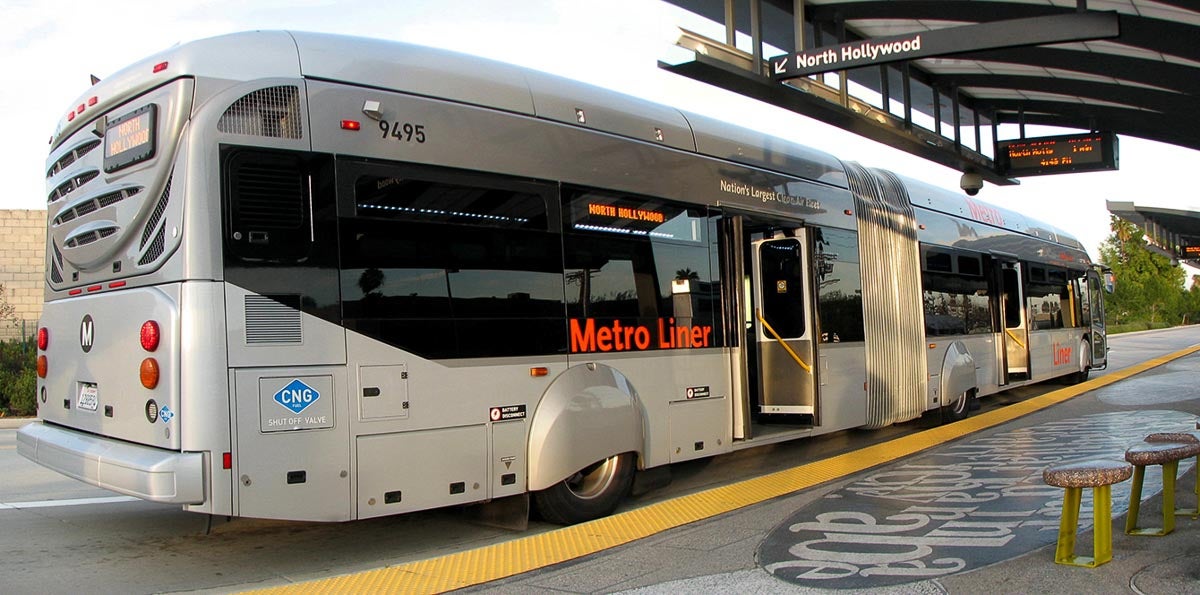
270 195
156 216
272 112
156 248
71 156
96 203
91 236
71 185
55 275
272 319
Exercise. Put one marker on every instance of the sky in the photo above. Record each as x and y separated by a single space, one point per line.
50 47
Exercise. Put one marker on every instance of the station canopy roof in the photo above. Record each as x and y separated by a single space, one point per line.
1144 82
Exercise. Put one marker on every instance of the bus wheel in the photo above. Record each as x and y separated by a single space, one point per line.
958 408
590 493
1085 364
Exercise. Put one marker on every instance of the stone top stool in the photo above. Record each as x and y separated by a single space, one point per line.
1098 474
1168 455
1183 438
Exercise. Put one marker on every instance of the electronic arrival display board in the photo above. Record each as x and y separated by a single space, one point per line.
1095 151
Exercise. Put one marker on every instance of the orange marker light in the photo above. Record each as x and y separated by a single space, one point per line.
42 365
539 371
149 372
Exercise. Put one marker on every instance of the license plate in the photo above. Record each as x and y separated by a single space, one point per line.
89 396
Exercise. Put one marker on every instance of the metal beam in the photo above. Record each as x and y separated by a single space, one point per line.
1026 32
921 143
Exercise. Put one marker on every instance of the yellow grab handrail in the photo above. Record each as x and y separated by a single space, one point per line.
1015 338
758 313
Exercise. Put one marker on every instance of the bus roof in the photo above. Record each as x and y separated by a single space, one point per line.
468 79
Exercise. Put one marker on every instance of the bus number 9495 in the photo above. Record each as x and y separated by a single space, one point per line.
406 132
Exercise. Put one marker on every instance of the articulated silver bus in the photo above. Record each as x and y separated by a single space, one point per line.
313 277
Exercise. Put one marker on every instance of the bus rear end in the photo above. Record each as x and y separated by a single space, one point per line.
133 374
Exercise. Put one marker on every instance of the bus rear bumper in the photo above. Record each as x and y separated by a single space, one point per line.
148 473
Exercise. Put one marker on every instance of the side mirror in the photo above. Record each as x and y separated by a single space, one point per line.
1110 281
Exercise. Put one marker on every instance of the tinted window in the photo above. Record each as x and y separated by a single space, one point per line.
448 266
638 264
956 302
839 288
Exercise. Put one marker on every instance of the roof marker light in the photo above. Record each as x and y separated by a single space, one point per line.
161 66
351 125
82 106
75 292
93 100
70 115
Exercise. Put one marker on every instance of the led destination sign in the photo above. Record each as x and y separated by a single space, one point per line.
1096 151
130 138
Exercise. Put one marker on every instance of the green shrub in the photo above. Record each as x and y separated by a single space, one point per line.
18 377
22 393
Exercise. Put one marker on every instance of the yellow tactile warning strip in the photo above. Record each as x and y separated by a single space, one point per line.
493 562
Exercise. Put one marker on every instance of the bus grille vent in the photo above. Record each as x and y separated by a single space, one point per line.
91 236
270 196
272 112
71 156
104 200
156 216
272 319
71 185
56 264
156 248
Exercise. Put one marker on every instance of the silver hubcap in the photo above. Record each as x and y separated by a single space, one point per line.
593 480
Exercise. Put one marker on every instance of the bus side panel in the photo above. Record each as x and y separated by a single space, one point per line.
396 472
293 451
1054 353
842 401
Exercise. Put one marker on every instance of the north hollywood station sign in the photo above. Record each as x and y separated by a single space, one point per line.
1081 26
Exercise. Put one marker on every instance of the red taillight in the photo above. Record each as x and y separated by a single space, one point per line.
150 335
149 372
161 66
350 125
227 460
43 338
42 364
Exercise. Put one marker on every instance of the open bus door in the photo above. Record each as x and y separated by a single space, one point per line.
1098 333
1014 326
784 333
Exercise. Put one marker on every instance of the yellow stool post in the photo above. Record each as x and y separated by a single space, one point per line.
1073 477
1184 438
1168 455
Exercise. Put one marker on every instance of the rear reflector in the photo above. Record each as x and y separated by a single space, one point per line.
149 372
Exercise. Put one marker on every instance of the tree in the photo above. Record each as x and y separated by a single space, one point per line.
1149 287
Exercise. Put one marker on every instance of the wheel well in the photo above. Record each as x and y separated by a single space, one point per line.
589 413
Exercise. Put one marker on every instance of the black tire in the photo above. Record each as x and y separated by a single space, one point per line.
591 493
959 408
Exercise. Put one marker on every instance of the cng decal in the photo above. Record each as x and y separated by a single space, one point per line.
297 396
